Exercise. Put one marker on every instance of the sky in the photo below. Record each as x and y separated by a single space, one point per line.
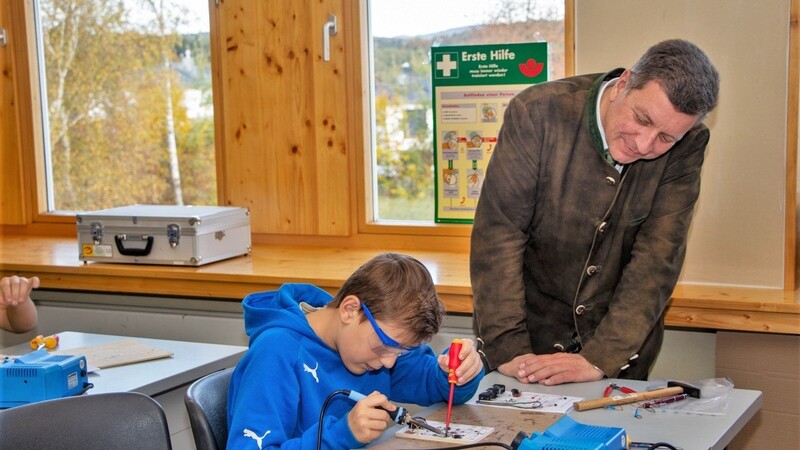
415 17
389 18
196 17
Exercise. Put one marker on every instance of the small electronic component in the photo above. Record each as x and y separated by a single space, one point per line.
49 342
492 392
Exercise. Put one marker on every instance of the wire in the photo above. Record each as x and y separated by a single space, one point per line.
322 414
475 445
653 446
533 404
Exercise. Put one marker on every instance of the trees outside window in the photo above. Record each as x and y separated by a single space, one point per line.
126 95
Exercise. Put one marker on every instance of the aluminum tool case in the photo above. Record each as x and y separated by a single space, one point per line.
163 234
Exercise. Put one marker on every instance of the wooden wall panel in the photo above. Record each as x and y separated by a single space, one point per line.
284 150
12 200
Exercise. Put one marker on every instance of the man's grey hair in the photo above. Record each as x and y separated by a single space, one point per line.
685 73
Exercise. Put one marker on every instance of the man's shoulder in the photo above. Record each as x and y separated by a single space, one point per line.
565 97
562 86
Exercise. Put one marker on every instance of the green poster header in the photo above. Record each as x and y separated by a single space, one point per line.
471 65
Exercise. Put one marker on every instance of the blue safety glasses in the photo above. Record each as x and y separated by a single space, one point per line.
387 345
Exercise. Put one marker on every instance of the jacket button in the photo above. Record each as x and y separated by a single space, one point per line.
611 181
591 270
579 310
558 347
602 227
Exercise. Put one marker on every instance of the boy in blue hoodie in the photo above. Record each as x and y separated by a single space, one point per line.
370 338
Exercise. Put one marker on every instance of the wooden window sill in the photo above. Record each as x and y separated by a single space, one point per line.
55 261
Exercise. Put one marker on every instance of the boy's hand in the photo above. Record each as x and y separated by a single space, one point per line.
471 364
16 290
366 420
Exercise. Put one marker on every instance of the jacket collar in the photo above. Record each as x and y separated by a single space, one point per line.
590 113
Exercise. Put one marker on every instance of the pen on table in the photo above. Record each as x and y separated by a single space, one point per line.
664 400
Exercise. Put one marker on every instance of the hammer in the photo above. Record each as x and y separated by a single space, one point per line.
673 388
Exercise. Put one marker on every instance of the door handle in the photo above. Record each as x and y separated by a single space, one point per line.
328 29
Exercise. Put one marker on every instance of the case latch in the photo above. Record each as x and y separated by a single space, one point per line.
97 232
173 234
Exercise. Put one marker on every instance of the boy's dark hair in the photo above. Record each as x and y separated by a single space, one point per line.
684 72
398 289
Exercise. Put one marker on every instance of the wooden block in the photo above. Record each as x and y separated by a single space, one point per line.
116 353
506 423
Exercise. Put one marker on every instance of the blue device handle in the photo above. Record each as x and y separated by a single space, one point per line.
397 416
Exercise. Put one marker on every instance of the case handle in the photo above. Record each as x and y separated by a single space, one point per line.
121 238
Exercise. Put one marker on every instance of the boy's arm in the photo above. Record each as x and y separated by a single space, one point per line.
264 401
17 311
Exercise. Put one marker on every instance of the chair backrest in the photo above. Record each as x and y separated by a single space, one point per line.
207 403
120 420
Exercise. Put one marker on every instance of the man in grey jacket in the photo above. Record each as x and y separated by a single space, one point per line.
580 230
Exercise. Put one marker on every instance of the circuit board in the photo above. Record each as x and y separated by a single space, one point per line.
532 401
465 434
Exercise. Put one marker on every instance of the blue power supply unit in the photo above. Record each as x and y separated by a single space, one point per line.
41 376
567 434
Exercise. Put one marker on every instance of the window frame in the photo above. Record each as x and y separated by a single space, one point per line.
359 114
33 132
365 195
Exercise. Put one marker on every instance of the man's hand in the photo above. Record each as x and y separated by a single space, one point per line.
549 370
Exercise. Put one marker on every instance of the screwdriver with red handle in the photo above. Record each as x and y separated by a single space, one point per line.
452 365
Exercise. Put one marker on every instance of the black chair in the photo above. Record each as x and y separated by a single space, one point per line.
121 420
207 403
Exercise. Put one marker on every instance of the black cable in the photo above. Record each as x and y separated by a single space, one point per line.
477 444
655 445
322 414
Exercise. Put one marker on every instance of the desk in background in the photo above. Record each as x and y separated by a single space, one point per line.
166 379
690 432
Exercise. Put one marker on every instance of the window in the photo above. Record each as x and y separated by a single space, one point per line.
401 33
126 102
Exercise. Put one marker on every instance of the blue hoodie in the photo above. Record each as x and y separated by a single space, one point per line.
278 388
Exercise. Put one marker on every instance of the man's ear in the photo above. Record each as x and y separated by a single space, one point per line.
621 83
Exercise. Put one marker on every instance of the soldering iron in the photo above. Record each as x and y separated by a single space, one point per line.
399 416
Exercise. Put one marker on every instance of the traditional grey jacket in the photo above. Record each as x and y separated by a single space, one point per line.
566 252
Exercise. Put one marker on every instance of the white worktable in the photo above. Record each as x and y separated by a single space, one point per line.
164 379
689 432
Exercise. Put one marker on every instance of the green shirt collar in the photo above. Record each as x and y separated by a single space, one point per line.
590 114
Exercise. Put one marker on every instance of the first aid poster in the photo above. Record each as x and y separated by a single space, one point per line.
472 86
